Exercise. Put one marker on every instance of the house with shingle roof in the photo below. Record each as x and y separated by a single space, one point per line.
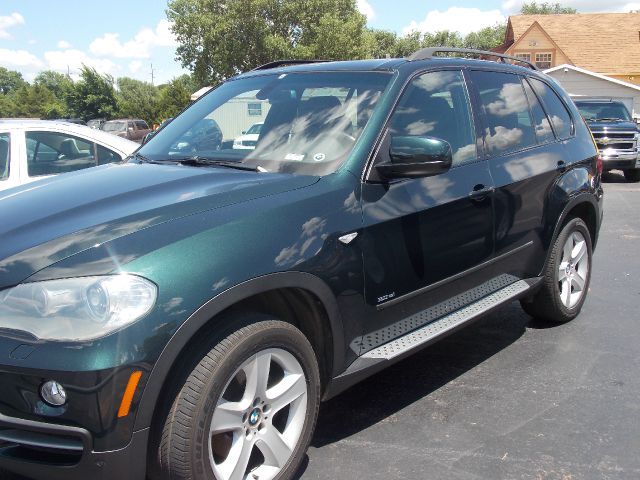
594 55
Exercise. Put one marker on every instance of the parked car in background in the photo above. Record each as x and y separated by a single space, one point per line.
249 138
616 134
131 129
34 149
183 317
96 123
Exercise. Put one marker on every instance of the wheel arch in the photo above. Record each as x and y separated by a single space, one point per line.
582 206
278 286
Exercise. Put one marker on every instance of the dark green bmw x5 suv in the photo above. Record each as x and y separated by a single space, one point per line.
182 314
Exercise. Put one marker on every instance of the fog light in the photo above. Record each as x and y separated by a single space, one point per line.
53 393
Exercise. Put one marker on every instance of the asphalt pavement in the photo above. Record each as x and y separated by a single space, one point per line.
508 397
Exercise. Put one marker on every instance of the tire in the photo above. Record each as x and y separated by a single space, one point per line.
632 175
565 284
222 424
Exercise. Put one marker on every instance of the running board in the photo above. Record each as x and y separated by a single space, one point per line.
449 322
401 347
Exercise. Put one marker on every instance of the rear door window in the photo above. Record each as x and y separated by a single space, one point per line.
560 117
50 153
508 125
5 156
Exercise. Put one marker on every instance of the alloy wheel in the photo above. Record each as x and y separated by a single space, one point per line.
259 417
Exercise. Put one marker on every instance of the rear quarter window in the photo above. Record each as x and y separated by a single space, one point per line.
558 113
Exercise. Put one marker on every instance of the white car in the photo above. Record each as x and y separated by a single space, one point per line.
248 139
35 149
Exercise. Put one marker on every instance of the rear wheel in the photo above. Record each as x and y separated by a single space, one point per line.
567 276
247 410
632 175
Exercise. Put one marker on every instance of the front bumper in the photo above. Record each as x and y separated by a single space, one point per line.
623 161
56 452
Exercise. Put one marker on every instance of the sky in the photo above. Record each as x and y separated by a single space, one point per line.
133 38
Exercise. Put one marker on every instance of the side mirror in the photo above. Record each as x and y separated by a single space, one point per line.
244 132
416 157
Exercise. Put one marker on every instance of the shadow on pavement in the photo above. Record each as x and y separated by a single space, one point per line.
402 384
615 176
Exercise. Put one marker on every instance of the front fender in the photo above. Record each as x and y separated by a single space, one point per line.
219 303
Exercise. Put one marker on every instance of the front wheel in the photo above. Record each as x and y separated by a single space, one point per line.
247 410
567 276
632 175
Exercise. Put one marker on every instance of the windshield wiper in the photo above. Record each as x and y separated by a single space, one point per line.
199 161
143 159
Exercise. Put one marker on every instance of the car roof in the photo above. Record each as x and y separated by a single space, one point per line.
121 144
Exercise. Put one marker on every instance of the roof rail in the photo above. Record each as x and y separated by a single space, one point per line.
286 63
427 54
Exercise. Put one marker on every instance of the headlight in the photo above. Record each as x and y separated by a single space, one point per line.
75 309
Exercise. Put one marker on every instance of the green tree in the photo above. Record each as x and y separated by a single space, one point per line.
35 101
10 81
93 96
176 95
380 43
486 38
545 8
218 39
59 84
138 99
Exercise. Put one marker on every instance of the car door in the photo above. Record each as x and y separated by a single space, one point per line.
426 240
525 159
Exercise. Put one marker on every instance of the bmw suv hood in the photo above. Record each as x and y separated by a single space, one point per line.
46 221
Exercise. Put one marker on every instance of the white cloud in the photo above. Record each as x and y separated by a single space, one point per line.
457 19
64 44
19 58
9 21
366 9
109 45
583 6
134 66
71 59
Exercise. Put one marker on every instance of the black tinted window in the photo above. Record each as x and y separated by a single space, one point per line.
558 113
4 156
141 125
540 119
436 105
508 125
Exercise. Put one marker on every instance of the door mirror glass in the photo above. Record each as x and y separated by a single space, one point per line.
416 157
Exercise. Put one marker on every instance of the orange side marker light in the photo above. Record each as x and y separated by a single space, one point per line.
127 398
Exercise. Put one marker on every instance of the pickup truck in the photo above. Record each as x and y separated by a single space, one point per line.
615 133
129 128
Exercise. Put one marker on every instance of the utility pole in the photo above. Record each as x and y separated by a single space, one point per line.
152 74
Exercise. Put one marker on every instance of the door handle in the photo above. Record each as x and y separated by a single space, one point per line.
480 192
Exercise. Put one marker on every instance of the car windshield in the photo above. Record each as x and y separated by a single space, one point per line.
593 111
308 122
114 126
255 129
